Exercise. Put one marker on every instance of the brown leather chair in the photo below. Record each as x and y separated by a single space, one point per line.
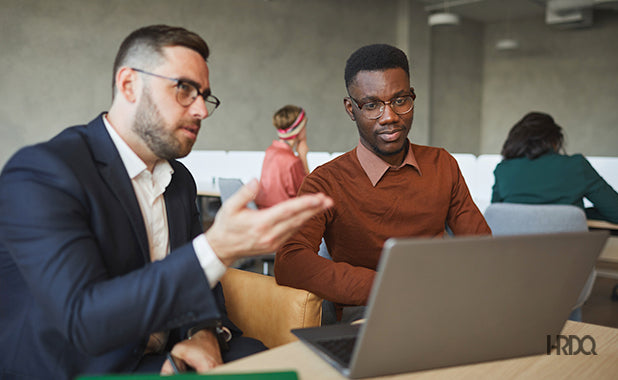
267 311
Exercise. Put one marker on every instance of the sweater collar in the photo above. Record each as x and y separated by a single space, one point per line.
375 167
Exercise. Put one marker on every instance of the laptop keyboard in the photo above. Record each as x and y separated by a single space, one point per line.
339 348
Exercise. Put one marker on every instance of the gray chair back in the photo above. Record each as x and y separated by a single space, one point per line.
526 219
228 187
520 219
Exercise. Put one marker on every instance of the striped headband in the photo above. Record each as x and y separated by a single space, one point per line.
293 130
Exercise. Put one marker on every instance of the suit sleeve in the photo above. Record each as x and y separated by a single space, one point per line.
47 226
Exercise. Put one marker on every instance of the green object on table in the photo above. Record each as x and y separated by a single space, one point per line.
280 375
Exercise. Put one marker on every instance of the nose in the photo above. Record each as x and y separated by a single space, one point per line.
198 108
388 116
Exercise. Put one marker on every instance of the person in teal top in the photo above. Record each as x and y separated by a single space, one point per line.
536 170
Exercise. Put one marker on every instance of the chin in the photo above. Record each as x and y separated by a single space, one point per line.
391 150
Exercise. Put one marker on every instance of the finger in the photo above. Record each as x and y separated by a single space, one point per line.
205 364
166 369
289 209
281 232
243 196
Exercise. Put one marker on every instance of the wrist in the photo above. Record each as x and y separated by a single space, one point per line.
218 249
222 333
210 324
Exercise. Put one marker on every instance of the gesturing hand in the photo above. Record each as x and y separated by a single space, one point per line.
239 231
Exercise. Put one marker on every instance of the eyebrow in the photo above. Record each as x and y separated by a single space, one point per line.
193 83
397 95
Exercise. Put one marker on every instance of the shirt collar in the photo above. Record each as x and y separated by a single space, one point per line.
375 167
282 145
132 163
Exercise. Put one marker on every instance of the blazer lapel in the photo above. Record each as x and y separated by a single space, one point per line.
113 172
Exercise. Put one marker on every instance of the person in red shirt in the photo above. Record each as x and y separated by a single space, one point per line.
285 163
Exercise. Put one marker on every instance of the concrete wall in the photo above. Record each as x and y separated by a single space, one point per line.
456 86
56 62
570 74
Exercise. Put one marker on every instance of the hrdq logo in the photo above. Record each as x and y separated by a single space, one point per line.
572 345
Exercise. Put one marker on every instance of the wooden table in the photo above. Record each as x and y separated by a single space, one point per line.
607 263
296 356
602 225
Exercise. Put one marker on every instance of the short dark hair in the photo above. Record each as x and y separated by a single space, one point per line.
143 48
533 136
375 57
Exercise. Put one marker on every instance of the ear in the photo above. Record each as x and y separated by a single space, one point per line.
413 93
349 108
126 84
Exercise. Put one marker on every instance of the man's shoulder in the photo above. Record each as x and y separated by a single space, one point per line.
424 154
340 169
344 161
428 151
70 146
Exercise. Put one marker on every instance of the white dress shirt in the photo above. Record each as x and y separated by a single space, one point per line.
149 188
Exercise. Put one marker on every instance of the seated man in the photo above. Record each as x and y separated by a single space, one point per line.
385 187
103 264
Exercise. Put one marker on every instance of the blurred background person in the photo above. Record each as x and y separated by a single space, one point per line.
285 163
536 170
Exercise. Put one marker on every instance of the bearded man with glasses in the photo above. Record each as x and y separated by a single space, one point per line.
104 267
385 187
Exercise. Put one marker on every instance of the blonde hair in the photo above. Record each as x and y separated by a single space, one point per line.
285 116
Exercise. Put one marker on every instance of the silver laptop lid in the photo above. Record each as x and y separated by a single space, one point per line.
439 303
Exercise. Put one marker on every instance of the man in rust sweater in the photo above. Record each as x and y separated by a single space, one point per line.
385 187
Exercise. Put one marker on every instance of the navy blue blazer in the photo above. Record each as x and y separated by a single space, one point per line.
78 293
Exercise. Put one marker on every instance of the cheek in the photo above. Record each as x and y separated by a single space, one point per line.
366 130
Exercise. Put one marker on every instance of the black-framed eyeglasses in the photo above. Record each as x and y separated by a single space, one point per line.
374 109
187 92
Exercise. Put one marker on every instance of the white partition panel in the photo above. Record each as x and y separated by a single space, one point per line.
205 166
467 165
607 167
315 159
484 179
243 164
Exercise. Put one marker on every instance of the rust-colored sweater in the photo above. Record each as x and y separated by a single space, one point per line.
413 200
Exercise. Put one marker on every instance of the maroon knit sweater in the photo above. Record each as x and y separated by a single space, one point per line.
403 203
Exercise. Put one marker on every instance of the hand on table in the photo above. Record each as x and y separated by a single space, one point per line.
201 353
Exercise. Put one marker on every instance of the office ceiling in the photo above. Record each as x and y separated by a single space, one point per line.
487 11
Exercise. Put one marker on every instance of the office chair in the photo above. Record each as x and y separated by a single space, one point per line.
264 310
227 188
522 219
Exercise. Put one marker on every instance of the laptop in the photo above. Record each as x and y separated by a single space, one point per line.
445 302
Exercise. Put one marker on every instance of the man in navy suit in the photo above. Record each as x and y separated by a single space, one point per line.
103 264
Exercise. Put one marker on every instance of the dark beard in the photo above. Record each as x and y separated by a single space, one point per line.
150 127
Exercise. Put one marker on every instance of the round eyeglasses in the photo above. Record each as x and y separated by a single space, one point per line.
187 92
374 109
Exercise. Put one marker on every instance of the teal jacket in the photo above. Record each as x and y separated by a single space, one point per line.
555 179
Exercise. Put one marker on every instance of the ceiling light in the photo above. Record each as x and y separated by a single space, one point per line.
443 18
507 44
